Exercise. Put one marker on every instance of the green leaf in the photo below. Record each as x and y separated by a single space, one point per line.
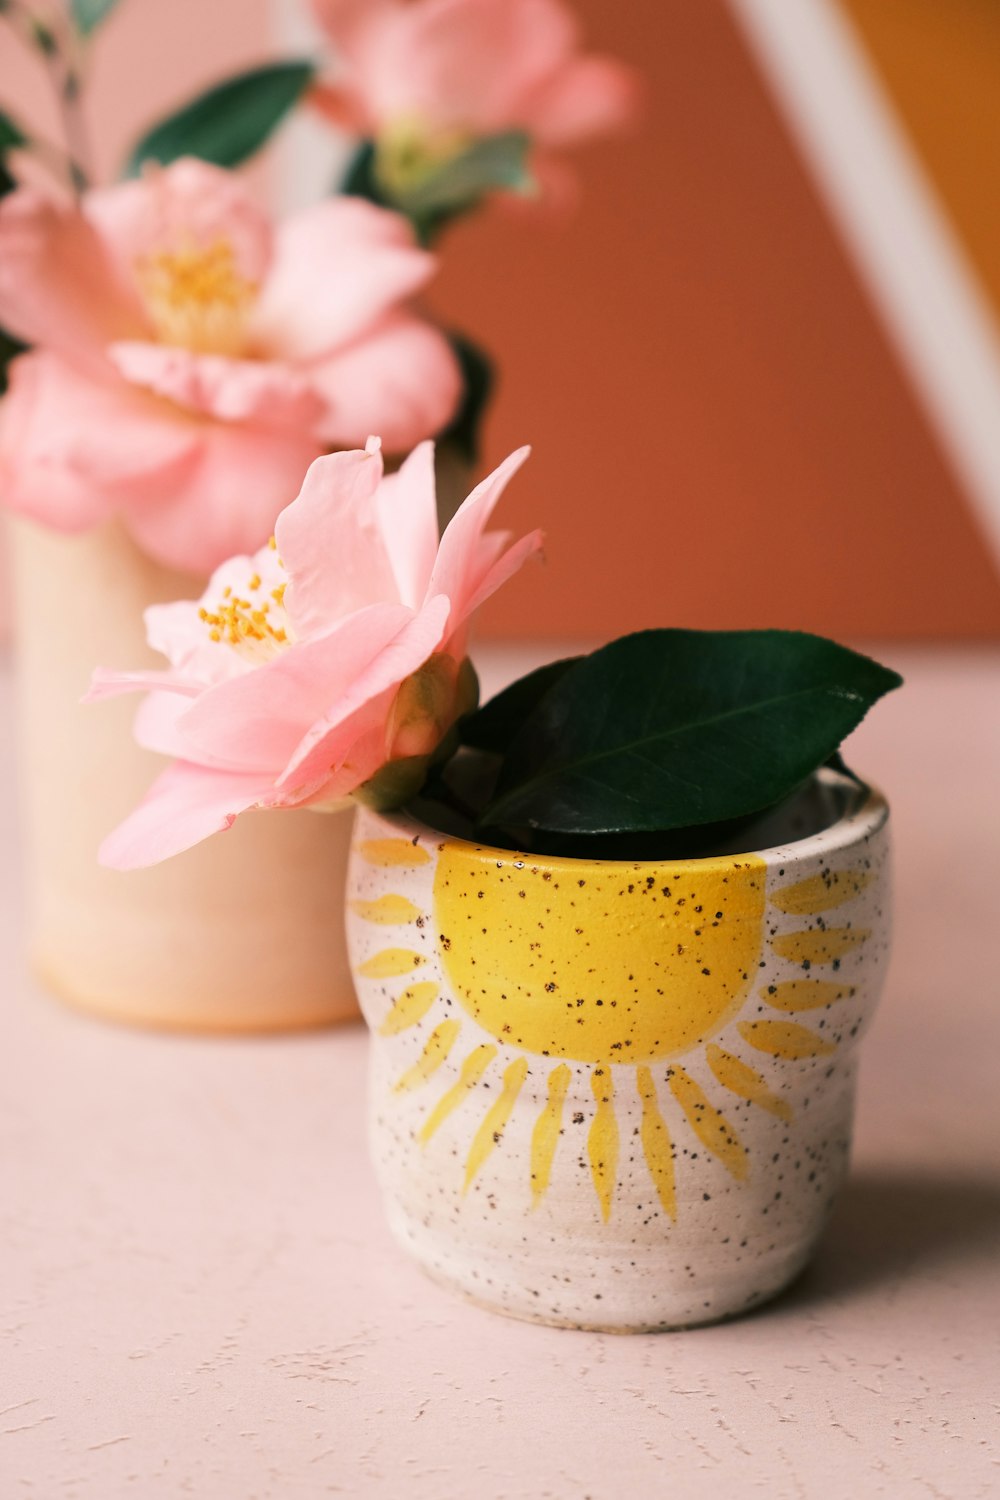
493 163
11 137
11 134
10 347
89 14
478 379
673 728
495 726
230 122
432 193
359 180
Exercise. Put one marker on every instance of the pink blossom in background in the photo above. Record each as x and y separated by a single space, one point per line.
435 75
311 668
192 358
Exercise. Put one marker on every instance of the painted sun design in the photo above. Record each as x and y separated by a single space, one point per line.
499 967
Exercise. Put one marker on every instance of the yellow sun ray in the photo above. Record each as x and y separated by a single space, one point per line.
805 994
489 1133
393 852
820 892
439 1044
602 1142
387 911
390 963
820 945
735 1076
709 1124
545 1136
656 1143
785 1039
473 1068
411 1007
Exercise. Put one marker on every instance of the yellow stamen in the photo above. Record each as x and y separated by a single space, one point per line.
196 295
256 631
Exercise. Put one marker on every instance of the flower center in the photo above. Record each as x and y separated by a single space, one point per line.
409 155
196 296
256 627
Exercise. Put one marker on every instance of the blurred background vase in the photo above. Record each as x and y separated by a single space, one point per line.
241 933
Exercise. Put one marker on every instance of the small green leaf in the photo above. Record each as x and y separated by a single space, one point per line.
359 180
496 725
478 379
10 348
11 134
431 193
11 138
230 122
89 14
493 163
672 728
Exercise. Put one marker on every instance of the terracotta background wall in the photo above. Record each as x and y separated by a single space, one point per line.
723 434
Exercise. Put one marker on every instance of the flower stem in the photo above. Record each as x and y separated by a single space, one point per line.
65 76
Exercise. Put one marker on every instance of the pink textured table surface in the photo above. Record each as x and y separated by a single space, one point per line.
198 1295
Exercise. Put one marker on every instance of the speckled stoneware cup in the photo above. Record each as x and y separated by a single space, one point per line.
613 1095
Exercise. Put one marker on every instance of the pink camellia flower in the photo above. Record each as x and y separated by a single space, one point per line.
428 79
192 359
330 664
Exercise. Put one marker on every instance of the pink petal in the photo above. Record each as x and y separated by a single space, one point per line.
157 727
589 96
339 267
459 64
462 567
361 32
509 563
339 107
105 683
59 287
402 381
330 543
406 505
234 390
363 706
257 720
239 478
184 805
188 202
74 450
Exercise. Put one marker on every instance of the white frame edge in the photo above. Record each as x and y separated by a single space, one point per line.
934 309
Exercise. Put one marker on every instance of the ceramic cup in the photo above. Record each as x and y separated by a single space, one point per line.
618 1095
239 934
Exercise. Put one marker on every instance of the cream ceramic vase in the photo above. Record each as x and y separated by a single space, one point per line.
618 1096
242 933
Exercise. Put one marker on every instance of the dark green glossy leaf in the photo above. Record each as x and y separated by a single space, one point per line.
10 347
230 122
673 728
89 14
11 134
496 725
359 180
478 379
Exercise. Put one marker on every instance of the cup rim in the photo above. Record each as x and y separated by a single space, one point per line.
855 826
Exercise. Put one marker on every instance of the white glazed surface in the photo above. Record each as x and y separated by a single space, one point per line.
242 933
730 1240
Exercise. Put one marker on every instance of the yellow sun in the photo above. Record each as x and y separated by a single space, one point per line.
557 966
